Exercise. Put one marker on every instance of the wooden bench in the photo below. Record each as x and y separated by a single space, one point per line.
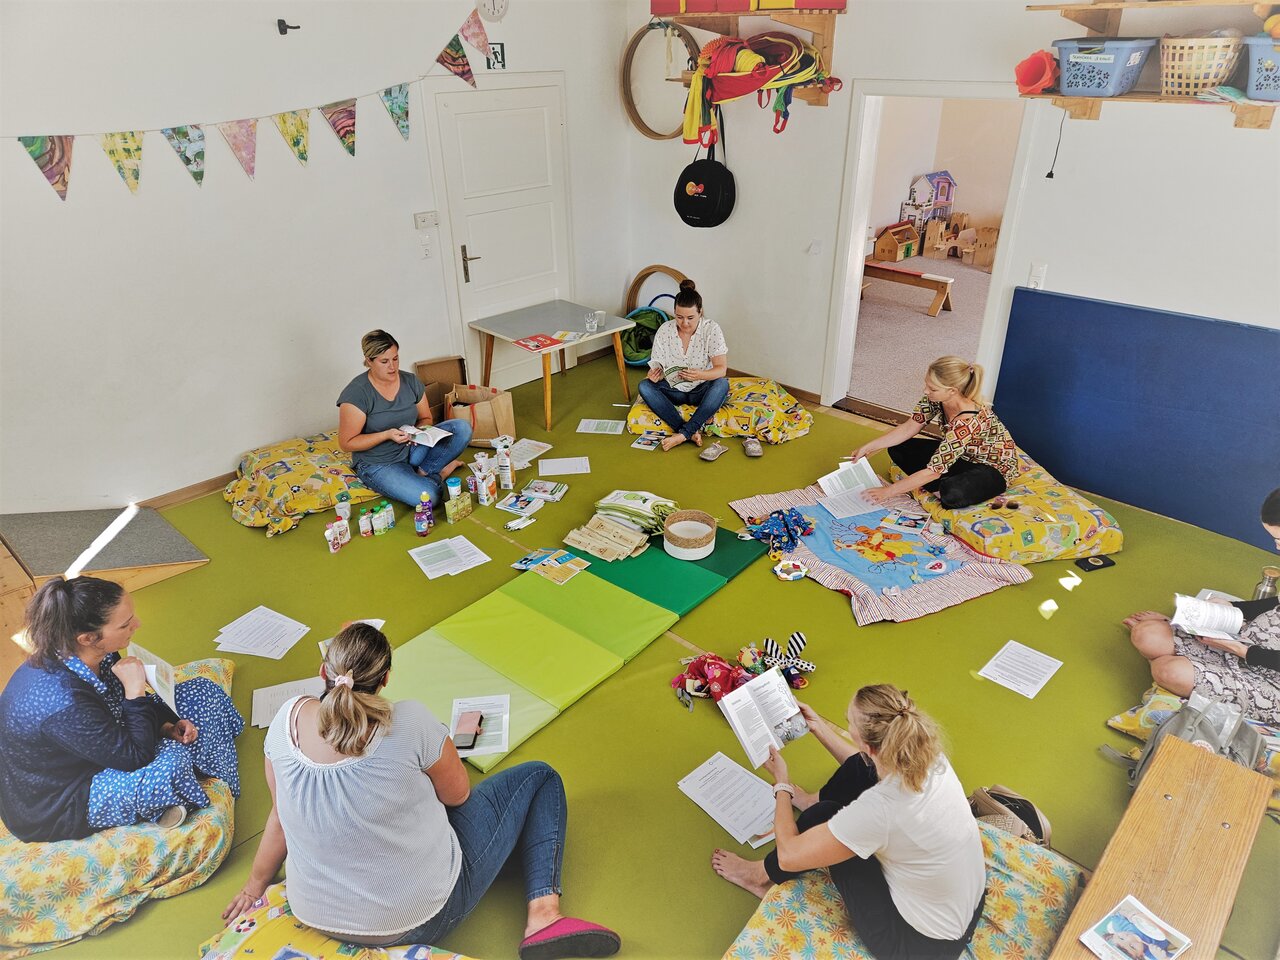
1180 848
941 286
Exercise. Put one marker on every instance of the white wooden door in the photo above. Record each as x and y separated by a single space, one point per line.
503 158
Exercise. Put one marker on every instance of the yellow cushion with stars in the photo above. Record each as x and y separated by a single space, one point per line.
754 408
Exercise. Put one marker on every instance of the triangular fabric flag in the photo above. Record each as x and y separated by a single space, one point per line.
188 143
242 138
52 155
124 149
454 59
474 33
342 118
396 100
293 126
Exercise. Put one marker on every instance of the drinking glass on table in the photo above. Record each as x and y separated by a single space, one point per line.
592 320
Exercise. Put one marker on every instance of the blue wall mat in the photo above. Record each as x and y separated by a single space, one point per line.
1174 413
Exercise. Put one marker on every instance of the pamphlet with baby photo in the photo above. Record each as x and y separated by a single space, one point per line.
1132 932
764 713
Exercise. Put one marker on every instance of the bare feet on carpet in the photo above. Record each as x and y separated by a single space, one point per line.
748 874
673 441
1134 619
697 438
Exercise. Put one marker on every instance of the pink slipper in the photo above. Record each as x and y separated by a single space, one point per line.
570 937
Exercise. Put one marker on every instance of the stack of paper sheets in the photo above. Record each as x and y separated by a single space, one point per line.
525 451
261 632
451 556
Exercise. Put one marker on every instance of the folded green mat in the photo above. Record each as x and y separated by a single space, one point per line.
660 578
730 557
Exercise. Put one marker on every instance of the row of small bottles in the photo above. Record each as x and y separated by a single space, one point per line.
374 522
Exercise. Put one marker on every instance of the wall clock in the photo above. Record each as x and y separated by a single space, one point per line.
492 10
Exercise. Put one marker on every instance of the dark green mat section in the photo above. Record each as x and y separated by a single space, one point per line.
675 584
730 557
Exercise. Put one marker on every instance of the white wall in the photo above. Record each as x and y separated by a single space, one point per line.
908 141
147 340
976 143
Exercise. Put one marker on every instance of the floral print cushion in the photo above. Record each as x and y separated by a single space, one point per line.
1052 521
754 408
52 894
277 485
1030 893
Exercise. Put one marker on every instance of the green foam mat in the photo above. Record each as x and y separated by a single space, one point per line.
659 578
730 557
431 669
551 661
614 618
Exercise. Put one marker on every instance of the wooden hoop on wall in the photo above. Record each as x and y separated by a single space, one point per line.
628 100
633 291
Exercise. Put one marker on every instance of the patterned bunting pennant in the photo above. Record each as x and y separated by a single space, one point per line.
454 59
474 33
188 143
396 100
124 149
342 119
293 126
242 138
52 155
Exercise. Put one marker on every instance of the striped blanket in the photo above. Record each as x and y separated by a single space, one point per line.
887 576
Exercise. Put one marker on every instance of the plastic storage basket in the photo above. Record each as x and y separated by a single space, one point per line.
1264 68
1191 64
1101 67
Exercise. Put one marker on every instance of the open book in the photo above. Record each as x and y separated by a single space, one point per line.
763 713
427 436
159 674
672 375
1207 619
843 489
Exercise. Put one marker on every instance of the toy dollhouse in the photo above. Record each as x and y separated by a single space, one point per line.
930 198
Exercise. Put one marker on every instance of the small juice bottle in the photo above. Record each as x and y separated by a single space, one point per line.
366 523
422 516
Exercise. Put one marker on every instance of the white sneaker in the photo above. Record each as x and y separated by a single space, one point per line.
172 816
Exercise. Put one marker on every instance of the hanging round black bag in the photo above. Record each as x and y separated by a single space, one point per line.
705 191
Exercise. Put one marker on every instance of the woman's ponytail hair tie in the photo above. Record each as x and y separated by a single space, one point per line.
344 680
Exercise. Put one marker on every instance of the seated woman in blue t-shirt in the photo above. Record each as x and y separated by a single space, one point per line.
371 410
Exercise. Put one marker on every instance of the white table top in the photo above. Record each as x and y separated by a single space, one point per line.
548 318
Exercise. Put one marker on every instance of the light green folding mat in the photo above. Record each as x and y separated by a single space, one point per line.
660 578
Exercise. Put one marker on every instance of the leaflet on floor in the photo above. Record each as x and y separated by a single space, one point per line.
493 736
261 632
734 797
524 451
601 426
447 557
1021 669
564 465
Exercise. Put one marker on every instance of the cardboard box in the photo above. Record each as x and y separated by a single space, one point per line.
439 376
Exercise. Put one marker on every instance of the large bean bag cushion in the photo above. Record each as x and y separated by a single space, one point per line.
270 930
277 485
1052 521
754 408
57 893
1030 893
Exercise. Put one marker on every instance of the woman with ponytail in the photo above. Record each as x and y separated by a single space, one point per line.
83 745
975 460
387 842
893 826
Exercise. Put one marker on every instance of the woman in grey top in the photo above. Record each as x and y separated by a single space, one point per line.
386 840
371 410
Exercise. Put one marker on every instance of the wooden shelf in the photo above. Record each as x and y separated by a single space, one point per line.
1248 116
1103 18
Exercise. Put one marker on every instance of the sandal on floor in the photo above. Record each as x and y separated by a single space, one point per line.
713 451
570 937
751 447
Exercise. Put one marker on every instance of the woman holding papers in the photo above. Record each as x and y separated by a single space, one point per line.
83 745
387 841
892 824
374 407
975 460
1245 670
688 365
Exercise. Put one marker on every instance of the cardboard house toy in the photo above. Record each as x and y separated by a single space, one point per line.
897 242
930 198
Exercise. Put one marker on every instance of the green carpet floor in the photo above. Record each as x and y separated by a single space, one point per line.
637 855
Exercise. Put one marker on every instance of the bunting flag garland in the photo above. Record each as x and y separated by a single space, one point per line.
454 59
52 155
342 120
242 138
396 100
294 127
188 143
124 149
474 33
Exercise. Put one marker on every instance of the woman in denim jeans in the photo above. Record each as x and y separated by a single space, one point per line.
371 410
387 842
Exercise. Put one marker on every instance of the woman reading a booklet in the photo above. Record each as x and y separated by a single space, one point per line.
387 841
892 824
1244 671
83 745
374 407
975 460
688 365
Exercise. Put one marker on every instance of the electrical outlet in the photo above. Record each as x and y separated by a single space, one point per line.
1038 271
425 241
425 220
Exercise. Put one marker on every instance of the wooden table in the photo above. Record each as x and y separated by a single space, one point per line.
941 286
548 318
1180 848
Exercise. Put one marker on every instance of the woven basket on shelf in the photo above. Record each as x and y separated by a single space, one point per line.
1191 64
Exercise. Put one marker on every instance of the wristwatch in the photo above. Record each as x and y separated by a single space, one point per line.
784 787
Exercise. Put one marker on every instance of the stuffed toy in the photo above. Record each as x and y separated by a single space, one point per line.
781 530
793 668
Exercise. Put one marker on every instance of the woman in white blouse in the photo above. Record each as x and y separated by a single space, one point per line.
893 825
689 365
387 841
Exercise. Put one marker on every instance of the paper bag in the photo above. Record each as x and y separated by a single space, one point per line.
487 409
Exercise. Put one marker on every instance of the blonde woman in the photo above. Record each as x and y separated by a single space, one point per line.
892 824
386 840
975 460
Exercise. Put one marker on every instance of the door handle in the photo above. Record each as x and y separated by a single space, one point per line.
466 264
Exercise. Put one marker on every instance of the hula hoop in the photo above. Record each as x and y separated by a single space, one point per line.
628 99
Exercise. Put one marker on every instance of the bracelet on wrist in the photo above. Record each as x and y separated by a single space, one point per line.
786 788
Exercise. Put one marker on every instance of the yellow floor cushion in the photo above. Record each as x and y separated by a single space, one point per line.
270 930
754 408
1030 893
57 893
1051 522
277 485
